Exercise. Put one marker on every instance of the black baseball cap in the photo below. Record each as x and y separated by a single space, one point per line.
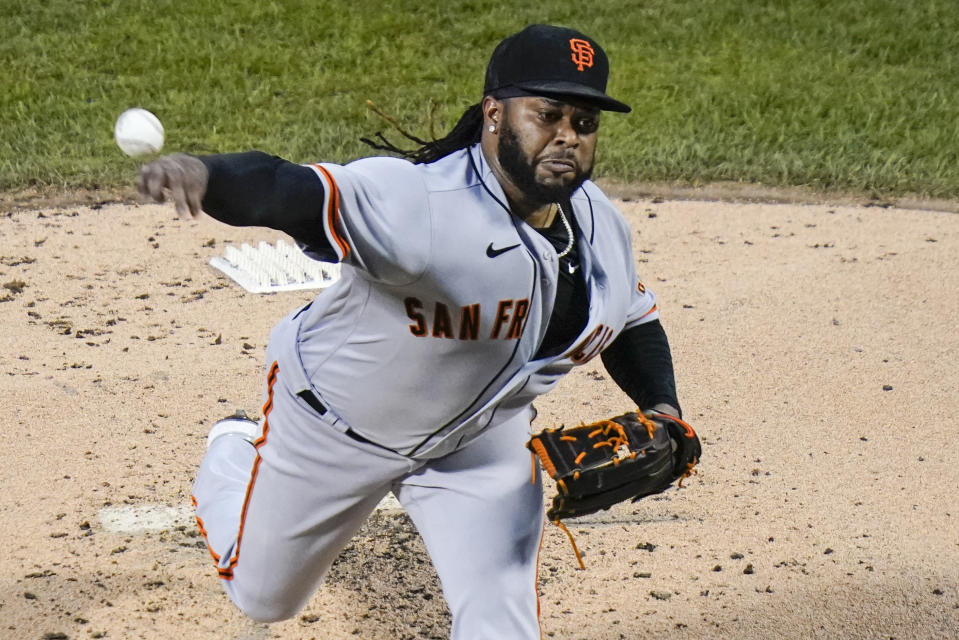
556 62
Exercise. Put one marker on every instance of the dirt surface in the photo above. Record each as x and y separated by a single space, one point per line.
815 347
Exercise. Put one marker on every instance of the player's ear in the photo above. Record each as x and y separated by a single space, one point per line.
492 113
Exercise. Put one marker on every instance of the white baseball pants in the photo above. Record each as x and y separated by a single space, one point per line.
276 515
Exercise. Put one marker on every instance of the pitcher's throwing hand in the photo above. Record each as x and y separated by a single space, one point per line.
182 176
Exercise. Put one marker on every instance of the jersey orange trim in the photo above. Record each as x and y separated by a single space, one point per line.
333 211
226 573
655 308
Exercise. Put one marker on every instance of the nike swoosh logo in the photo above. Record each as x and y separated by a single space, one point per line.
492 253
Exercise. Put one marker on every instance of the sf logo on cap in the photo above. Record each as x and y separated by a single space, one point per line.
582 53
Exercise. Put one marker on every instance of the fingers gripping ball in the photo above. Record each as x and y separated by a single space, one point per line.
138 132
624 458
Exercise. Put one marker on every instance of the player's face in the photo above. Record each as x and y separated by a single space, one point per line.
547 146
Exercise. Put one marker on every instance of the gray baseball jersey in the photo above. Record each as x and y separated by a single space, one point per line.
437 271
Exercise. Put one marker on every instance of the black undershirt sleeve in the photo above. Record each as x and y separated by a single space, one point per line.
254 189
640 362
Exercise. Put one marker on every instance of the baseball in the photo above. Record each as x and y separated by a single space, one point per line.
138 132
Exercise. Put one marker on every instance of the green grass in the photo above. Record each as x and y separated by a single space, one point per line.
858 95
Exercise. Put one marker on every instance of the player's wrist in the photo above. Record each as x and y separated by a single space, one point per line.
668 409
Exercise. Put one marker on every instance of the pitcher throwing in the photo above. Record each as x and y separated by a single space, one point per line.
476 272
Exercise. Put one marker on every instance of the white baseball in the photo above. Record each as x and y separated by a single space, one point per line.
138 132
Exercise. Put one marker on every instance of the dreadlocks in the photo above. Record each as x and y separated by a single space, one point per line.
466 133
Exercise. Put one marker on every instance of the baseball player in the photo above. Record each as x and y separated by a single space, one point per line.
476 272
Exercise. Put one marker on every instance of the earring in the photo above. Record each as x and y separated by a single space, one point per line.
492 128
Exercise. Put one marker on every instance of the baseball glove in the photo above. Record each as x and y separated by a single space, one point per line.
627 457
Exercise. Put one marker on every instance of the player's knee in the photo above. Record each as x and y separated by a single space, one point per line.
262 610
264 605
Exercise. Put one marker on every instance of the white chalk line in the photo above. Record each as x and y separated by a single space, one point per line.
160 517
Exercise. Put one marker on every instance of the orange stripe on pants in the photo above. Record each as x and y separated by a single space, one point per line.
227 572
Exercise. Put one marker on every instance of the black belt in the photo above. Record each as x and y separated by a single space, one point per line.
310 398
